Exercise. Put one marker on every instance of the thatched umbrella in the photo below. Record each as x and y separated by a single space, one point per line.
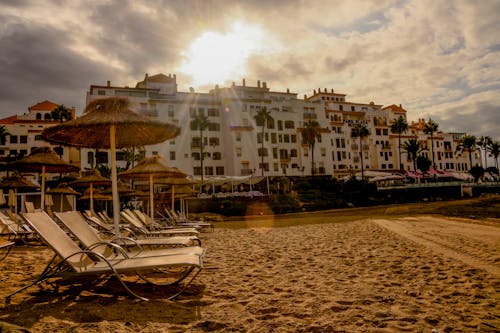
108 123
173 182
89 179
149 168
15 183
62 189
43 160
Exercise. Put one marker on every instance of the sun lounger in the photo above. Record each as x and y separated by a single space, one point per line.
137 225
89 238
179 220
14 229
70 260
5 248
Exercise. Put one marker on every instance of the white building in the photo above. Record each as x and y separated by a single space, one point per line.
232 143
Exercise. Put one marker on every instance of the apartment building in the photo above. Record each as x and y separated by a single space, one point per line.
25 133
232 144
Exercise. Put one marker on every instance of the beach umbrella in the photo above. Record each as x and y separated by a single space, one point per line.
15 183
109 123
90 179
43 160
149 168
63 189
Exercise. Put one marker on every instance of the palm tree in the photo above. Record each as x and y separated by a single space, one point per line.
200 122
360 131
399 126
131 156
413 148
263 118
468 143
61 113
310 132
494 150
430 128
484 142
3 135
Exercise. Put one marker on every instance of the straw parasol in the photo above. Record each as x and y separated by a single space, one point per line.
109 123
15 183
43 160
89 179
62 189
149 168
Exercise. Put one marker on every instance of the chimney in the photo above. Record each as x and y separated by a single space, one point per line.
234 84
305 96
244 83
108 83
146 77
325 90
400 106
264 85
258 83
332 90
287 90
314 91
175 76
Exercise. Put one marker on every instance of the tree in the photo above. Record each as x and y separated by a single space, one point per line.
263 118
399 126
484 142
423 163
430 128
61 113
413 148
494 150
3 135
310 132
200 122
476 172
360 131
131 156
468 143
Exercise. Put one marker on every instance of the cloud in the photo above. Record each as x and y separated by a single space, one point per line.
436 58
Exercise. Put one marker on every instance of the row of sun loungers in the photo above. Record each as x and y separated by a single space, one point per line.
158 254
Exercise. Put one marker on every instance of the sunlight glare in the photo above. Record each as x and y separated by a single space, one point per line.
215 57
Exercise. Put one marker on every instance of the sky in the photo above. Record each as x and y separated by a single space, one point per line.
438 58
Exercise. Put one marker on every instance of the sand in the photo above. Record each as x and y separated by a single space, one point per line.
323 272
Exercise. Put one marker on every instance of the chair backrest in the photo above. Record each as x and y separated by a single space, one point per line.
29 206
134 221
79 227
56 238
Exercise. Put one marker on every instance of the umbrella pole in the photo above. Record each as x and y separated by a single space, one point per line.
42 199
151 197
173 196
91 198
114 180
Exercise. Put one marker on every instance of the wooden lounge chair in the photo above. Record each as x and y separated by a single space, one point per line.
70 260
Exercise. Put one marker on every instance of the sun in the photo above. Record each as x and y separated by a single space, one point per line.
213 57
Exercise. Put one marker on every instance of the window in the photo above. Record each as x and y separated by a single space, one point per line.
47 116
286 138
238 136
273 138
289 124
196 156
38 116
201 111
172 155
214 127
2 152
259 137
13 139
213 142
280 125
293 153
293 138
120 156
209 171
386 131
341 107
101 92
219 170
23 139
238 152
90 157
101 157
217 156
213 112
38 137
23 152
275 152
353 108
197 171
323 152
263 152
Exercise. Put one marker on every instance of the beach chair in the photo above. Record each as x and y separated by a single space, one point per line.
180 220
130 238
90 239
5 247
14 229
70 260
137 225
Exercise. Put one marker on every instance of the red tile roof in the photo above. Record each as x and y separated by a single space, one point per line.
44 106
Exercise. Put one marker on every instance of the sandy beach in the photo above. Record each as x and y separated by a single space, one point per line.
384 270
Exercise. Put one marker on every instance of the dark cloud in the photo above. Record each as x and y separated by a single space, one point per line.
35 65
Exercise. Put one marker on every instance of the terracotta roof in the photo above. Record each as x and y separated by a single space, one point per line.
395 108
44 106
9 120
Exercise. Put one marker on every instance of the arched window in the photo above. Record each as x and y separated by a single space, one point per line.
47 116
38 116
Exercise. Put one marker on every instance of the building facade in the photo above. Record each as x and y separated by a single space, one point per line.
24 133
232 144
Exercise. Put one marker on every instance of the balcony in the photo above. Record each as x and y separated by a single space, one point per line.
386 147
246 172
354 147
